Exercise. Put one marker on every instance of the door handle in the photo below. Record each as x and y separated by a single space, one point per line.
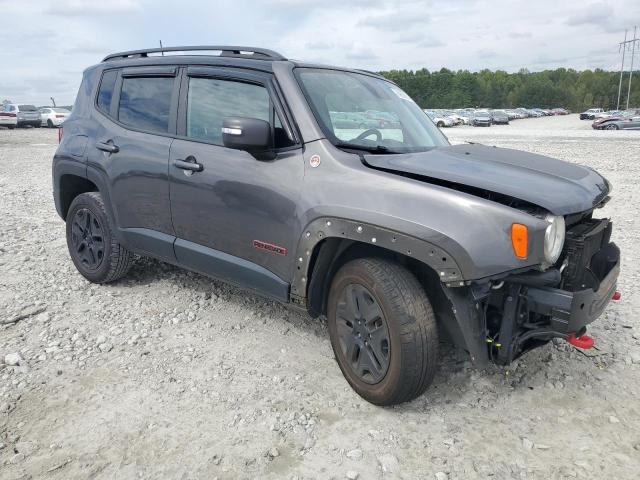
190 164
107 147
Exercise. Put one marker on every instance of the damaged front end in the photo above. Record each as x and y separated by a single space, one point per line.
501 318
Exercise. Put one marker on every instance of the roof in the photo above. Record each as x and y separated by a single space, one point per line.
247 57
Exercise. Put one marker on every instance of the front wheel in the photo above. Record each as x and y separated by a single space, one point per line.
383 331
92 245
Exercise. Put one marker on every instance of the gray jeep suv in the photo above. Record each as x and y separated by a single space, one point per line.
229 162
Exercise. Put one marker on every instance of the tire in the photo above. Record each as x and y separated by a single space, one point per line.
111 260
611 127
49 123
404 313
440 124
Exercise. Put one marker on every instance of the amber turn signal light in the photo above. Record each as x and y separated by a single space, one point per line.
520 240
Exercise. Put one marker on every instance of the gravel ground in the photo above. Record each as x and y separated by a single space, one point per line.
168 374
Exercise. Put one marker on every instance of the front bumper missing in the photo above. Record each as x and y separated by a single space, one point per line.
571 311
531 310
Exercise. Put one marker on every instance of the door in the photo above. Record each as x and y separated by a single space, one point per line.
132 150
234 215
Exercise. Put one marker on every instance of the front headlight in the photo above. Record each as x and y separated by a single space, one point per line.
553 238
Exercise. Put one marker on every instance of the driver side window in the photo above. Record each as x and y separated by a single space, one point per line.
210 100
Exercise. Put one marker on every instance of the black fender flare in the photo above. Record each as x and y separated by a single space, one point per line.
99 178
332 227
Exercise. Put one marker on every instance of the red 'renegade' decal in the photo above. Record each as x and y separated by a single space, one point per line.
270 248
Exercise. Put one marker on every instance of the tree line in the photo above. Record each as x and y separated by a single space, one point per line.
568 88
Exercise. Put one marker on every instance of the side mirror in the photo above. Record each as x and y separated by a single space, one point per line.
250 134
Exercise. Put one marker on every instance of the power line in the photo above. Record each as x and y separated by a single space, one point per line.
624 46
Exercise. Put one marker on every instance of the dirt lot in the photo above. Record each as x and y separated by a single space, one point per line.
169 374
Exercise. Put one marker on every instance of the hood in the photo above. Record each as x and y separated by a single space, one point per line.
561 188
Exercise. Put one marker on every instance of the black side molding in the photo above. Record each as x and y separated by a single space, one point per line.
231 269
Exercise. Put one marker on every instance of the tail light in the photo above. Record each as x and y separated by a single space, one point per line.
59 116
60 134
7 114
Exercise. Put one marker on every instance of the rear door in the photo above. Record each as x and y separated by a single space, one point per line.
137 108
236 218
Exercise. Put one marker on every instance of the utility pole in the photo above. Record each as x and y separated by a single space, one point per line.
633 51
623 46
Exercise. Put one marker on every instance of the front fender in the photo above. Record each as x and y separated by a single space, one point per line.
440 260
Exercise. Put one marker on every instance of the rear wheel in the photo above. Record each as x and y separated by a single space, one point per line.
49 123
383 331
440 124
93 248
611 126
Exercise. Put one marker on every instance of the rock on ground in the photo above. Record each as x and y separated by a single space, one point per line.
168 374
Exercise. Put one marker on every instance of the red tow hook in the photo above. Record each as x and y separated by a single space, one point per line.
585 341
616 296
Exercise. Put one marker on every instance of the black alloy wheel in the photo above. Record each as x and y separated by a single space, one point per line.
363 333
87 239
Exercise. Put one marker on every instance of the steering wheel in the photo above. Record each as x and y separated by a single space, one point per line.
370 131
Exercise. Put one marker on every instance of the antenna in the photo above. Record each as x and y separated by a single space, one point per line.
161 50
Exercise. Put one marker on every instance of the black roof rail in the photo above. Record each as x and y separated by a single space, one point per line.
225 51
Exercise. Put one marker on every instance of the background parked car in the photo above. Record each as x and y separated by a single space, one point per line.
28 115
608 114
628 120
481 118
53 116
8 116
352 120
499 117
590 114
439 120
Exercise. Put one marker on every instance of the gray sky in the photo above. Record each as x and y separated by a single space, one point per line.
52 41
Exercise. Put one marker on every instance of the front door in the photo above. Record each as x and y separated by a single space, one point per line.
234 215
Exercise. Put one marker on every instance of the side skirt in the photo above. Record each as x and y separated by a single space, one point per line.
231 269
207 261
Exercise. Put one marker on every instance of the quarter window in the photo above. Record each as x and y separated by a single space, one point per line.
106 90
145 103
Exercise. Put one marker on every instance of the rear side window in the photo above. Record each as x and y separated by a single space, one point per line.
106 90
145 103
210 100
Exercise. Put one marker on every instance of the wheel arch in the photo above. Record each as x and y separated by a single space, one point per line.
453 307
72 185
328 243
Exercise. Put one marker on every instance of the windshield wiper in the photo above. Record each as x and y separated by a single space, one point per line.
365 148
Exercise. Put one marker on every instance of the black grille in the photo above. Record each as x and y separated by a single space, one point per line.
588 254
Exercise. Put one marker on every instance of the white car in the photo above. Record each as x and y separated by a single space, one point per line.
53 116
439 120
8 116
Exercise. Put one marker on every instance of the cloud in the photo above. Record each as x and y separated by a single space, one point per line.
63 37
361 54
486 53
518 35
92 7
594 14
318 45
430 42
397 20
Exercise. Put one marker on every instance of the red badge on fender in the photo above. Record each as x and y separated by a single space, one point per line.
268 247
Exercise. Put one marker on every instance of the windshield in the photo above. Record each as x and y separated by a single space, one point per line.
60 110
363 112
27 108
